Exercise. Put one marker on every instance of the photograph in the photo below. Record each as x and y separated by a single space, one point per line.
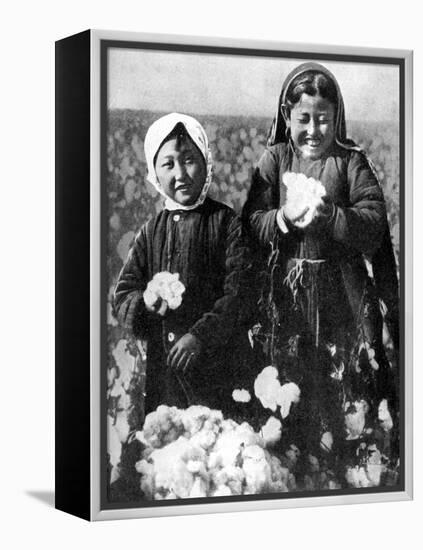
252 261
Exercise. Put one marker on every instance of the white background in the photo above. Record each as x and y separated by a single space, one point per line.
27 37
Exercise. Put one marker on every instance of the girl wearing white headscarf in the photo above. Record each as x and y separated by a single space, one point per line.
188 360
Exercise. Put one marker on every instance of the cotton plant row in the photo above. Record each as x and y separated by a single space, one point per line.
196 452
279 398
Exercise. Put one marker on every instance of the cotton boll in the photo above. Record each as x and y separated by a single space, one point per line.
176 478
170 468
364 480
375 467
384 416
333 485
114 448
228 449
162 426
289 179
144 467
199 488
125 362
235 479
222 491
313 463
287 395
271 431
241 396
166 286
292 455
229 425
267 387
204 439
253 452
214 460
194 417
170 287
355 418
150 296
352 477
257 470
356 477
147 484
245 435
280 476
374 473
326 442
309 484
303 192
196 467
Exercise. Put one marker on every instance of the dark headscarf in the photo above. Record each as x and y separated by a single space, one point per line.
278 133
383 260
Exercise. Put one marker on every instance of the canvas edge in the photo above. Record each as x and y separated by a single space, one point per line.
97 514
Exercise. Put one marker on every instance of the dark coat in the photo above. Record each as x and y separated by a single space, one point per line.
358 226
204 247
325 299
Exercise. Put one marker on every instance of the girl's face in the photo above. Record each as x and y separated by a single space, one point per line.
312 124
181 170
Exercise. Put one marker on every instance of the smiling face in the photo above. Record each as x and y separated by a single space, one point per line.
312 125
181 170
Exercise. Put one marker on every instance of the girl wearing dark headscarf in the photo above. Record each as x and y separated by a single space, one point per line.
322 305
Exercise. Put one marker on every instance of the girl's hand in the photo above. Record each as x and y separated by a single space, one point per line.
292 212
184 353
324 215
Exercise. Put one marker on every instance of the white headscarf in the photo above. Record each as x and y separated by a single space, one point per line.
154 138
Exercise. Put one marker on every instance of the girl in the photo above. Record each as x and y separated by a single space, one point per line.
322 309
193 246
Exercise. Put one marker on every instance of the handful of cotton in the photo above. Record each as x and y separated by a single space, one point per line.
303 193
163 291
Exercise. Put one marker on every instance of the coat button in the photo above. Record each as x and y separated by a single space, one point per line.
176 217
171 337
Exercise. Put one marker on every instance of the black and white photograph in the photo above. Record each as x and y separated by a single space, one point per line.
253 261
211 275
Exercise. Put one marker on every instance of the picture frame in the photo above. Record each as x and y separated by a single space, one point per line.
96 82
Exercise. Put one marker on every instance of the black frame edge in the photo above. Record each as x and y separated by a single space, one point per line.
72 211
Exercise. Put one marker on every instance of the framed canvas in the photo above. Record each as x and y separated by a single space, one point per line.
233 275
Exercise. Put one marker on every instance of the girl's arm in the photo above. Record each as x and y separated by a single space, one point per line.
259 214
363 224
216 326
132 281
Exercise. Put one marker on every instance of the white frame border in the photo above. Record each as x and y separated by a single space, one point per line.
95 241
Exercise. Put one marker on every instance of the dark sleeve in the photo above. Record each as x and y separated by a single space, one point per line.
215 327
132 281
363 224
259 212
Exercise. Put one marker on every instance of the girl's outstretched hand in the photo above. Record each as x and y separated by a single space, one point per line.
184 353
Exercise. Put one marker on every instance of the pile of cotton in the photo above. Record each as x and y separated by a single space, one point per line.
197 453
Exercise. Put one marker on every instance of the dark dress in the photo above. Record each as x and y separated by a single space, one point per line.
204 246
320 313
